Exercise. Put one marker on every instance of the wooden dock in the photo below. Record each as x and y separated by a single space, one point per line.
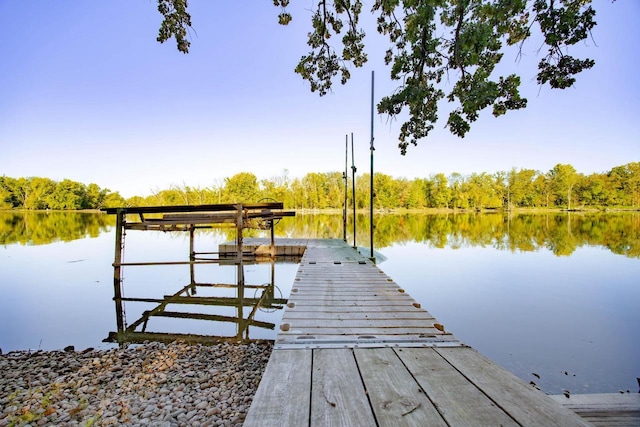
354 349
608 409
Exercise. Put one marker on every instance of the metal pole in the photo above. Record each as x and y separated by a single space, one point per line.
371 190
272 249
192 256
117 268
353 189
239 229
346 184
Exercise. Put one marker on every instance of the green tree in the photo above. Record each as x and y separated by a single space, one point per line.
625 182
462 41
95 196
634 182
440 194
113 200
592 189
459 198
242 187
8 187
386 191
277 188
543 190
563 179
68 194
482 191
520 188
416 194
298 194
38 191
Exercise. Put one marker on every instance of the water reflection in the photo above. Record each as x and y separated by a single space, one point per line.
42 228
560 232
230 309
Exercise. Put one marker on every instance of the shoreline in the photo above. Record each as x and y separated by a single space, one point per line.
154 383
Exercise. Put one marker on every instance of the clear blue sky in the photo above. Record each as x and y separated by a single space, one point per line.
87 93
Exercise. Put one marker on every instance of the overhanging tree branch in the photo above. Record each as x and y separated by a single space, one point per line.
418 58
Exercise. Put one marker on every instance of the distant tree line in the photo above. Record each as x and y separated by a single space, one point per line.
37 193
561 187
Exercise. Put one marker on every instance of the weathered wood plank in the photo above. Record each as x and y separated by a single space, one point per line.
608 409
381 338
357 285
526 405
338 395
283 397
330 298
458 400
360 323
300 292
600 401
359 315
311 308
337 302
366 287
395 397
374 330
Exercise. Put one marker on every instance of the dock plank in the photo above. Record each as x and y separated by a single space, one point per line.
284 395
373 330
337 302
605 409
459 401
385 322
529 406
359 315
338 395
395 397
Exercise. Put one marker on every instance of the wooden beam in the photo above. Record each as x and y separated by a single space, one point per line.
192 208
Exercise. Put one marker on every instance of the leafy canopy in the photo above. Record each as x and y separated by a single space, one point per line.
432 40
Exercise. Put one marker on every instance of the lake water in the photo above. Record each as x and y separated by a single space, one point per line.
557 295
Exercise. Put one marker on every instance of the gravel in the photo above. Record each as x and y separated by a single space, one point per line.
152 384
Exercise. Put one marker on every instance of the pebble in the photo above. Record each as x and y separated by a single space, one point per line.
154 383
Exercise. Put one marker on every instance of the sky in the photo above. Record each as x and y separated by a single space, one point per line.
88 94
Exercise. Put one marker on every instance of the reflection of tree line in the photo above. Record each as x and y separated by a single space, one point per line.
561 233
39 228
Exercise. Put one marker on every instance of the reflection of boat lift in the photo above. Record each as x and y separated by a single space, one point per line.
190 218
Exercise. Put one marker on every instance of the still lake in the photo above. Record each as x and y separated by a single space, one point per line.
555 294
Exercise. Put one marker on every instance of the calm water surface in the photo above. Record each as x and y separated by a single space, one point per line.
557 296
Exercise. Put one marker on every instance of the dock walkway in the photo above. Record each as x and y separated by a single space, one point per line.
354 349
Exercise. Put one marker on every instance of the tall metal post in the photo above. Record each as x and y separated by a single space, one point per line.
346 185
192 256
272 248
117 268
353 189
371 190
239 229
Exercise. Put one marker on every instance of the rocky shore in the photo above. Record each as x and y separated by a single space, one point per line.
152 384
